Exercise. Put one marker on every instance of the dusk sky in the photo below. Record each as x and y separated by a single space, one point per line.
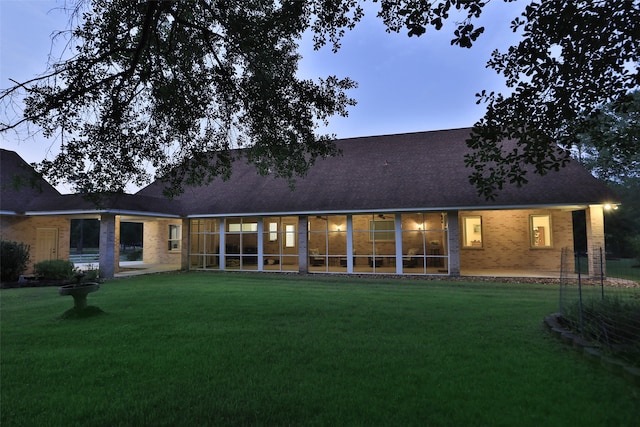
405 84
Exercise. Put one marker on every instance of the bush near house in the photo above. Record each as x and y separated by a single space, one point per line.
55 269
135 255
14 258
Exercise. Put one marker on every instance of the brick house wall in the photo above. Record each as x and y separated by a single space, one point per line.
24 230
156 246
506 241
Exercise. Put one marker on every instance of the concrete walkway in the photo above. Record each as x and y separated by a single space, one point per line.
132 268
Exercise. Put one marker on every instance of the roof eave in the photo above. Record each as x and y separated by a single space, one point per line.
102 211
571 206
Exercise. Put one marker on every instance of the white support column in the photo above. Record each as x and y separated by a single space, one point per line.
260 244
453 236
398 224
223 249
350 260
303 243
107 256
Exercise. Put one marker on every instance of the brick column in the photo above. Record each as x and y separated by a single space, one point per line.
107 257
595 239
303 251
453 238
185 244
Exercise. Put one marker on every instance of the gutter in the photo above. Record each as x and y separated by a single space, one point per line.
102 211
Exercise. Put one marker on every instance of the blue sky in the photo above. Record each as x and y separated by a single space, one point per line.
405 84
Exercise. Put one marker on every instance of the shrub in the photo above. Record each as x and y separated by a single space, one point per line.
134 255
55 269
14 258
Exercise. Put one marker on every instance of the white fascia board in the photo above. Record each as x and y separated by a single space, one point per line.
389 210
103 211
12 213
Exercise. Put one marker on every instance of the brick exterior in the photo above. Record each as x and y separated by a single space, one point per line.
506 238
156 246
506 241
24 230
595 239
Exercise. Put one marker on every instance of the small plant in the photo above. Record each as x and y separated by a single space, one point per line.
14 258
55 269
135 255
91 274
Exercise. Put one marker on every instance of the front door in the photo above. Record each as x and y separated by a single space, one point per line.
46 244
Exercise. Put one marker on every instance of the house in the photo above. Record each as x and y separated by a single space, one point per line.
392 204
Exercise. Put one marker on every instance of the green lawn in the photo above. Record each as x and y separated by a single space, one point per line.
620 268
256 349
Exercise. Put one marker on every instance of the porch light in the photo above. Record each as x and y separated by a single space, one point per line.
610 206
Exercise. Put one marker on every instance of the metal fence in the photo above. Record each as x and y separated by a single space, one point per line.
602 303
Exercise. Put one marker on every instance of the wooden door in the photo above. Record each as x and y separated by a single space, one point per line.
46 244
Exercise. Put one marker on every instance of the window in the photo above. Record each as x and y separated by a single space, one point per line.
382 230
540 230
273 231
289 235
472 233
245 227
175 237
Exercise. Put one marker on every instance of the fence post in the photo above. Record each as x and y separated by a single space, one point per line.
580 293
601 274
563 276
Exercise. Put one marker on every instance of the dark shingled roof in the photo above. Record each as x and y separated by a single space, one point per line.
19 183
112 202
22 190
411 171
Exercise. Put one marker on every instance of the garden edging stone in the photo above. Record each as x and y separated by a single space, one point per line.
591 350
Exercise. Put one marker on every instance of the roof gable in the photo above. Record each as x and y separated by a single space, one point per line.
20 184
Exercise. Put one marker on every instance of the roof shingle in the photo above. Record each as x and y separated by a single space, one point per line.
423 170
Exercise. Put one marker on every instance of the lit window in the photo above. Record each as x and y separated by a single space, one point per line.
472 231
175 237
290 235
273 231
540 231
245 227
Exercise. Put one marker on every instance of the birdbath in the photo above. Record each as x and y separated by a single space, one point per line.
79 291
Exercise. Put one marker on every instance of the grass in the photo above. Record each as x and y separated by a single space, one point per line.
257 349
620 268
624 268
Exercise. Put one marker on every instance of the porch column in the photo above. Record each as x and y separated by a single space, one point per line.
595 239
350 260
223 246
303 233
107 257
398 232
185 244
453 239
260 251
